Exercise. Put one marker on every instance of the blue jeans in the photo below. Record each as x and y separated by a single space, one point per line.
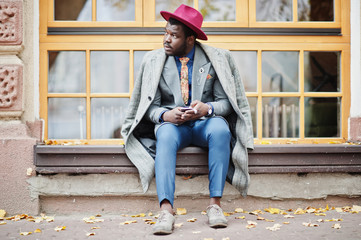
212 133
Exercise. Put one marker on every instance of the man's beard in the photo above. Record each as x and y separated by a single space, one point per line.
180 52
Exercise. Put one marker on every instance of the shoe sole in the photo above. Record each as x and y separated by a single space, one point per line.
218 225
162 232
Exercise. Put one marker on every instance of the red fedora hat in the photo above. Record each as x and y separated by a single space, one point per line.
190 17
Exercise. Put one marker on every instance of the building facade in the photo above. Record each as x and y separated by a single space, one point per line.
67 70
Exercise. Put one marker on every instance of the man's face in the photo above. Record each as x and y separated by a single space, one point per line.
174 41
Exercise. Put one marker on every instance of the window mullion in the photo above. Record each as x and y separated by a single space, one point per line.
88 99
94 10
259 90
295 11
302 92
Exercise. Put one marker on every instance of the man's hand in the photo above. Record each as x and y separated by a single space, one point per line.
201 109
174 116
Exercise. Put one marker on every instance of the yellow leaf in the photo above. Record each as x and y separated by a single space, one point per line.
260 218
264 142
273 210
128 222
181 211
37 230
227 214
320 214
336 226
90 234
299 211
2 213
327 208
286 222
192 220
238 210
241 217
256 212
356 209
334 142
29 171
95 228
204 213
268 220
58 229
150 214
2 223
25 233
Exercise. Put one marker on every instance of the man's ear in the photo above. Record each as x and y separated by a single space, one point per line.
191 40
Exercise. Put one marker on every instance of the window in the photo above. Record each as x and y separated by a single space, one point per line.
293 56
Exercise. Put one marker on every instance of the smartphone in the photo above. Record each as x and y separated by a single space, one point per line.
183 109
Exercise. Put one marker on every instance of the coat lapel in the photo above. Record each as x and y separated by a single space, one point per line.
201 67
171 77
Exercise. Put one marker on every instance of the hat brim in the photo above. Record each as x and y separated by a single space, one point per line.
200 34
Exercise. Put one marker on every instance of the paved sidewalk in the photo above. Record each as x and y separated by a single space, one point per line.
291 226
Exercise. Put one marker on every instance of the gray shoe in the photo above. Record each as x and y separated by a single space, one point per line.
164 224
216 218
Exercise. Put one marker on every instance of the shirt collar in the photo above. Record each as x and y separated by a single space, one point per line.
190 55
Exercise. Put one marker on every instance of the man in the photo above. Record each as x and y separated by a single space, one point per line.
192 94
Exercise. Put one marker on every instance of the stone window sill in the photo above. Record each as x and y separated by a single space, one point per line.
193 160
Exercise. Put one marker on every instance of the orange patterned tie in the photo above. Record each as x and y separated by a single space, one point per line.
184 79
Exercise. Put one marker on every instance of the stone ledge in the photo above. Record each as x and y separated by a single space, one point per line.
328 158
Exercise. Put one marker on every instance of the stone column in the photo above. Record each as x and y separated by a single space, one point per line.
16 135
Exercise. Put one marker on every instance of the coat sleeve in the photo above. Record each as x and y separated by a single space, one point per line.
242 101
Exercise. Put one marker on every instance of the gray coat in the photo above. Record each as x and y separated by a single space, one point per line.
145 91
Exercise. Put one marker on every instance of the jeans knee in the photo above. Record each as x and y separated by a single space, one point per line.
220 131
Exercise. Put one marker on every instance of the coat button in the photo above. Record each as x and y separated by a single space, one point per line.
136 120
149 98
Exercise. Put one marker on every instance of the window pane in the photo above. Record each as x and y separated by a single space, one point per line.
253 105
280 117
66 72
280 71
107 115
247 65
315 10
138 57
322 117
274 10
168 5
218 10
322 71
73 10
109 71
66 118
115 10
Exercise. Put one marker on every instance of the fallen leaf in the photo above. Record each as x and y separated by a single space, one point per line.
251 224
310 224
320 214
334 220
320 220
2 223
275 227
299 211
288 216
128 222
196 232
150 214
95 228
37 230
238 210
286 222
98 215
260 218
90 234
226 238
192 220
241 217
187 177
269 220
273 210
58 229
265 142
25 233
181 211
208 239
256 212
29 171
178 225
138 215
336 226
2 213
311 210
227 214
356 209
203 213
339 210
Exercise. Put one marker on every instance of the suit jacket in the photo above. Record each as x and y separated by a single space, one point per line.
145 94
205 87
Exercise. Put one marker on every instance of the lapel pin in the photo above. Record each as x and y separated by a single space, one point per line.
201 70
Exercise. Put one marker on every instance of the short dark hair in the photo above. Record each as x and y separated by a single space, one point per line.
187 30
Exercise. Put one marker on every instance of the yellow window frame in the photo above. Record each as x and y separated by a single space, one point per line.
257 43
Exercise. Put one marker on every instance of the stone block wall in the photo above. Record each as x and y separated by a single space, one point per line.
18 135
